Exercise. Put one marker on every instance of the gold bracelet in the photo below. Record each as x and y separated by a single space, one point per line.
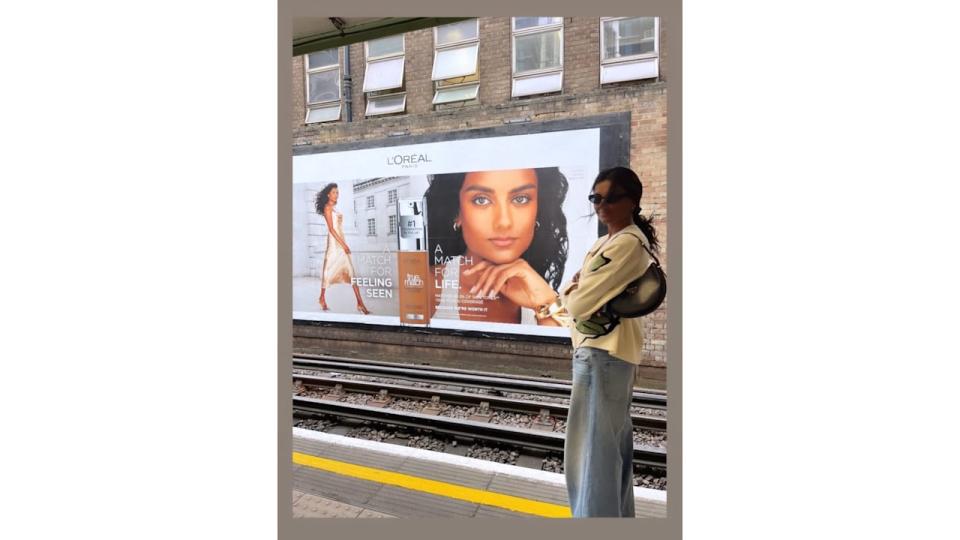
544 310
555 311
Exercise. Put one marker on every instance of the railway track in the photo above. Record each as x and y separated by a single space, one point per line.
386 391
321 392
651 399
547 441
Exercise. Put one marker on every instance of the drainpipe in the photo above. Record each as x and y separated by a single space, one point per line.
347 84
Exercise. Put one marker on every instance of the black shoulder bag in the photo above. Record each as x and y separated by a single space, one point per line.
643 295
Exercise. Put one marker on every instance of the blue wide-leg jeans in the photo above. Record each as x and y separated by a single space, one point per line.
598 452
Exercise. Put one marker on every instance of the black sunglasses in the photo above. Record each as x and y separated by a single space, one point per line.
609 199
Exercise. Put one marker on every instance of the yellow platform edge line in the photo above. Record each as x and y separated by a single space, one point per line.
444 489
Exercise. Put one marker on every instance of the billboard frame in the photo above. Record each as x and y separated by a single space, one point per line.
614 150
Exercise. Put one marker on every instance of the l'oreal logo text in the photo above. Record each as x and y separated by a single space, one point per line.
408 161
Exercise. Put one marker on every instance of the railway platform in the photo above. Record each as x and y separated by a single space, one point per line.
338 476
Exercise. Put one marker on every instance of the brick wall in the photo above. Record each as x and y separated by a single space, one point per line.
582 96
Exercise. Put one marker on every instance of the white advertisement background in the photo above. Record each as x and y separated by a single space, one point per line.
575 152
550 149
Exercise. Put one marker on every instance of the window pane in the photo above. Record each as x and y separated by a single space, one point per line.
454 81
455 62
384 46
318 59
452 33
385 105
449 95
383 75
528 22
628 37
538 51
324 114
541 84
629 71
324 86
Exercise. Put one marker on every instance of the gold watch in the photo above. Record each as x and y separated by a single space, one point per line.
555 311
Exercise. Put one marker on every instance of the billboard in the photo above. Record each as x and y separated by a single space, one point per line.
504 216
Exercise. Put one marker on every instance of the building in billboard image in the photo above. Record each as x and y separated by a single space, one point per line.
440 188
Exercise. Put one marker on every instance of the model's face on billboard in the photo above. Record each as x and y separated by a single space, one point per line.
498 213
334 195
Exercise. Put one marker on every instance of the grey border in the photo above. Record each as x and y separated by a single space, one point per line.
669 527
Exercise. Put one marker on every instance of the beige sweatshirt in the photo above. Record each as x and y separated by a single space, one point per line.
607 269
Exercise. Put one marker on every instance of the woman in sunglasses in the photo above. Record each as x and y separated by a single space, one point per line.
598 454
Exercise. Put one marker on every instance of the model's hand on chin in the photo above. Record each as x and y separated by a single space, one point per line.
516 280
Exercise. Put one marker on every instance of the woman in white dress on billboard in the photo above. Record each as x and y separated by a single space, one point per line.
337 265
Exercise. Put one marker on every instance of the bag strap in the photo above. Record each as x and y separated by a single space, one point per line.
644 246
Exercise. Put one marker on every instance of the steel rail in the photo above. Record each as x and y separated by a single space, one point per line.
465 398
331 357
542 440
509 384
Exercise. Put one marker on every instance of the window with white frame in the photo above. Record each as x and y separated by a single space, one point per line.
392 226
392 196
455 74
629 48
370 201
383 75
371 226
322 85
537 55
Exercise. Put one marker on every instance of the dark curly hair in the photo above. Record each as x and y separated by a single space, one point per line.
547 253
323 197
630 183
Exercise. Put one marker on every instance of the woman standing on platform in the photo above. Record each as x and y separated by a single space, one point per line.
337 265
598 453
